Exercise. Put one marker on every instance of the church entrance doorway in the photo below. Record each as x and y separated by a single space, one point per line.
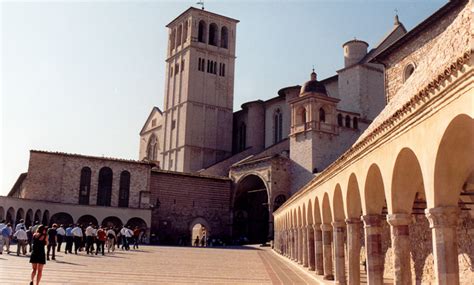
199 235
250 213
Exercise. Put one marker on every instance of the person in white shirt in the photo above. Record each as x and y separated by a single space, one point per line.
61 233
89 238
126 235
21 224
77 237
22 239
111 237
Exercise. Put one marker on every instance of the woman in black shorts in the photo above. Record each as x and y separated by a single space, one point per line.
38 256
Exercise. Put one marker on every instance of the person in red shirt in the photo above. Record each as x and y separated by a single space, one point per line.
101 239
136 236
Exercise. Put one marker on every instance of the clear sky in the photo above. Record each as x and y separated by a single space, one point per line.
82 77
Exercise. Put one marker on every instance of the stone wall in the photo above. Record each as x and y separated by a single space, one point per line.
55 177
186 198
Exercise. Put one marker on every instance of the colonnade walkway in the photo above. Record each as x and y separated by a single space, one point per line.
161 265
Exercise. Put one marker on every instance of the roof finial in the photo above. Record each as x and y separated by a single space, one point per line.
397 22
201 3
313 75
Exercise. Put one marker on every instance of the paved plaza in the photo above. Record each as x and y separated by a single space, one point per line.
161 265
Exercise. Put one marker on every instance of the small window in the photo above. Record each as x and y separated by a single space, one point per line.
409 69
339 120
173 124
355 123
153 122
176 68
348 121
182 65
215 68
223 69
322 115
202 32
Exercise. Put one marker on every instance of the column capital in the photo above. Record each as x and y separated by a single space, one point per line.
443 217
309 227
338 224
399 219
353 221
326 227
371 220
317 227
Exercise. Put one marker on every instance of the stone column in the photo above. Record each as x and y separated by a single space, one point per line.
310 242
353 250
318 250
295 245
401 247
373 247
291 247
300 245
327 251
305 246
340 263
443 222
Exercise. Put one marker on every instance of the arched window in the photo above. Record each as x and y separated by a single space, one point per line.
124 191
213 34
152 148
303 116
242 136
279 200
355 123
179 35
85 186
348 121
202 32
224 37
339 120
408 71
185 31
104 191
277 126
322 115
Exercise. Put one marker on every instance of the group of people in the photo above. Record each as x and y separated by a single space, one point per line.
39 237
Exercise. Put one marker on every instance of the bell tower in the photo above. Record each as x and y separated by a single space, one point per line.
199 90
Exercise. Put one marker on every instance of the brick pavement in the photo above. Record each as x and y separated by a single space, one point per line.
161 265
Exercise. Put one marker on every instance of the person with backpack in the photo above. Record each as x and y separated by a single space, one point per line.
111 239
100 241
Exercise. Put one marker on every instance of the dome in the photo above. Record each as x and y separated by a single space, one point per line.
313 86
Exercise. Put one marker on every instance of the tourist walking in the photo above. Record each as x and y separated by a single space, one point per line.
61 236
111 238
136 236
38 258
77 238
126 234
89 238
2 225
22 240
52 241
21 224
6 236
69 240
100 241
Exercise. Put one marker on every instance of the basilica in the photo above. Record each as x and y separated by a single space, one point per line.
335 172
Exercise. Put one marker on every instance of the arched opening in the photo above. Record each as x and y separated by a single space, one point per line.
10 217
85 186
86 220
179 35
408 71
62 218
339 120
172 39
355 123
137 222
202 32
20 215
224 37
104 191
28 218
279 200
45 220
374 192
185 31
322 115
124 191
112 222
348 121
251 216
152 148
37 216
199 235
213 34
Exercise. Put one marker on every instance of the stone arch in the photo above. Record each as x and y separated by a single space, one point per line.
199 220
45 220
340 120
322 115
453 162
310 213
374 191
301 115
353 201
124 189
104 189
300 218
348 121
28 218
326 210
179 35
202 31
20 215
38 216
112 221
85 186
317 212
338 205
85 220
137 222
10 216
407 180
213 34
152 148
224 37
61 218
